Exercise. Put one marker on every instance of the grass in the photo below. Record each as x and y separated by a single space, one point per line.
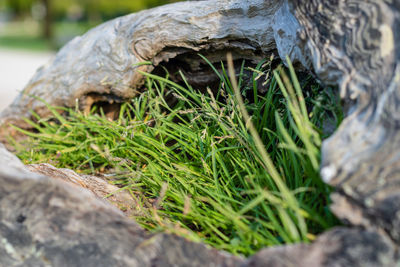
26 35
24 43
238 174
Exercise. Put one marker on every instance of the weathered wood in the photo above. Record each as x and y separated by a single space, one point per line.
97 185
356 46
337 247
352 44
103 64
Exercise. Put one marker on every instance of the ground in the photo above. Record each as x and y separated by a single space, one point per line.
16 68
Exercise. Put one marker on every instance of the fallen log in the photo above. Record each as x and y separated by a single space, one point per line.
103 64
96 184
352 45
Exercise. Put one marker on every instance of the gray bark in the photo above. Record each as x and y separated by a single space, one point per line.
99 186
355 46
338 247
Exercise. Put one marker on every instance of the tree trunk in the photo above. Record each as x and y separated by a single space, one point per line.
47 21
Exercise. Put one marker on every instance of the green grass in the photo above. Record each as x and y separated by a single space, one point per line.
238 174
24 43
23 36
27 35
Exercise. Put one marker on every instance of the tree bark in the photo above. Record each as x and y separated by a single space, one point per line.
355 46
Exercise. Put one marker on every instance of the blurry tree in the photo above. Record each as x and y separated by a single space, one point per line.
92 11
96 10
47 20
110 8
24 8
101 8
20 7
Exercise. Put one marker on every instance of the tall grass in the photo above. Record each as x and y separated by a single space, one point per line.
239 174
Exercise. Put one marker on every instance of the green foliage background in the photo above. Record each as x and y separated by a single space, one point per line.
50 24
107 8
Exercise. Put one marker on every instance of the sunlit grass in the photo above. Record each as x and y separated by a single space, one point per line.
236 173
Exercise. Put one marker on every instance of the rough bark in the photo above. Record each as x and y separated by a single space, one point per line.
338 247
96 184
356 46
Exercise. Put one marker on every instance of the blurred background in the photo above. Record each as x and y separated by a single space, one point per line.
32 30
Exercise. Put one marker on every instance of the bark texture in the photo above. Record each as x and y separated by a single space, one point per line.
338 247
356 45
96 184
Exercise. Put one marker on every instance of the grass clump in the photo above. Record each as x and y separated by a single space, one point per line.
238 175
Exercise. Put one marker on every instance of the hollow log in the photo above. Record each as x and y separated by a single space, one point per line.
103 64
354 45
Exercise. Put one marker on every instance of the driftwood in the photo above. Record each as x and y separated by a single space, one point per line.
354 45
97 185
